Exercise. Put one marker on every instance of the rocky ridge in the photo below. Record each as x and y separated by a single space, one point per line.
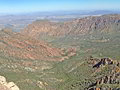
110 79
86 25
21 46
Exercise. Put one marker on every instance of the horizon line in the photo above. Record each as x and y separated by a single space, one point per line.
55 11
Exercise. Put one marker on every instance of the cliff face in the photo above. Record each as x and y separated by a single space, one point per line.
82 26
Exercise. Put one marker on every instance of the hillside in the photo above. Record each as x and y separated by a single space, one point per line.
83 74
81 26
96 36
20 46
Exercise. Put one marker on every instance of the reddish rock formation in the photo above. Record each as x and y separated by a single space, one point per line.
22 46
76 27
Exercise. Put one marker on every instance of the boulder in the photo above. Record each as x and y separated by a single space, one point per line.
2 80
7 86
2 87
12 86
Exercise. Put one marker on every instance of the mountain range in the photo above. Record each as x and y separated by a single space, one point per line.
87 25
78 54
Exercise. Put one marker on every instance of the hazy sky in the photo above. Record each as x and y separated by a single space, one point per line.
18 6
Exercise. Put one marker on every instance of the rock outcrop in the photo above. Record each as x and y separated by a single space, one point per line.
109 79
4 85
103 61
